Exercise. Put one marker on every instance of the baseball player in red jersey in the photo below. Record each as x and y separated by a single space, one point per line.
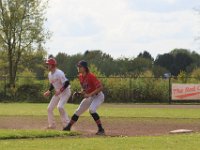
93 97
61 84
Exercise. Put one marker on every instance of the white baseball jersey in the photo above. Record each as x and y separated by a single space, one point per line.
57 79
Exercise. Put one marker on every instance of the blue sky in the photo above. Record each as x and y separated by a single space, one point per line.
122 27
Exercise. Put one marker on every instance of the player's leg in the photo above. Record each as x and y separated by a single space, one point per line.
63 100
84 105
51 120
97 101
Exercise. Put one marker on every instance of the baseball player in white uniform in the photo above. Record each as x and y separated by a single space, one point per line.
61 85
93 97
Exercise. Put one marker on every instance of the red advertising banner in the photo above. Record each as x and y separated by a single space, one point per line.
185 92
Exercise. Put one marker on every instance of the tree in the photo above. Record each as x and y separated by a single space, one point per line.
104 62
176 61
68 63
165 61
3 63
196 62
159 71
34 62
178 51
196 74
181 62
146 55
140 65
21 30
95 70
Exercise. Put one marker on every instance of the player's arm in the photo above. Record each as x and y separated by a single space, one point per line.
51 88
95 92
98 85
65 85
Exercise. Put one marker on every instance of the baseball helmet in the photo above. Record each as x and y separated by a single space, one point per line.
51 61
82 63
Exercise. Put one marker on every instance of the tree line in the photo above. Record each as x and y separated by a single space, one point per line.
174 62
22 52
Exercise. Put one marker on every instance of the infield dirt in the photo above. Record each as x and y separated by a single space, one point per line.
113 126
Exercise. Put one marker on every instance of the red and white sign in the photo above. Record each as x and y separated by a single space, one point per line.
185 91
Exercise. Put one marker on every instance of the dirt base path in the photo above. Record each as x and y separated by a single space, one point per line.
113 126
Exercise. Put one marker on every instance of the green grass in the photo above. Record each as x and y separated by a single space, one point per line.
29 109
40 140
172 142
22 134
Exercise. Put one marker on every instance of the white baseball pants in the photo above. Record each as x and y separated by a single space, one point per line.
59 101
92 103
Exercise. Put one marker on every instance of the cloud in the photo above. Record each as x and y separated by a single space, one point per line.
163 6
120 29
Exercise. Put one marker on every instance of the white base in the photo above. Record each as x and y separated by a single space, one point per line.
181 131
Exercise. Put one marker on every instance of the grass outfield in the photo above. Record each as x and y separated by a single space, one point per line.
177 142
29 109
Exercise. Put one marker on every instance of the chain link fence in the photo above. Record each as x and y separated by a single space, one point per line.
116 89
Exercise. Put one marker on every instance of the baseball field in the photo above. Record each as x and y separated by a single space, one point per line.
128 126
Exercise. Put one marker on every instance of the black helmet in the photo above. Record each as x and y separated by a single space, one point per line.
82 63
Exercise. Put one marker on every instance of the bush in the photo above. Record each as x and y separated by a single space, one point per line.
29 88
75 86
117 89
30 93
26 78
195 76
144 88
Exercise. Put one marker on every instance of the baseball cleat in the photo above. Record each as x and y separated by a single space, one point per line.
66 128
100 132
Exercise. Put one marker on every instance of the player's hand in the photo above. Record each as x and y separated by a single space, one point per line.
47 93
58 93
77 94
87 95
82 92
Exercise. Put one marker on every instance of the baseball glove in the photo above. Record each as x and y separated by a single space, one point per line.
76 95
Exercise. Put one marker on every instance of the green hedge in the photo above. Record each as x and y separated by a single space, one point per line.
136 90
30 93
116 89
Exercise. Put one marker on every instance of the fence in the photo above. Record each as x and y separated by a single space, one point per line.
116 89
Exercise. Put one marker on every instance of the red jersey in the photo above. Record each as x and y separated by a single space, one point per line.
89 82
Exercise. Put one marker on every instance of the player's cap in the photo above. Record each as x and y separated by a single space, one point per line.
51 61
82 63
